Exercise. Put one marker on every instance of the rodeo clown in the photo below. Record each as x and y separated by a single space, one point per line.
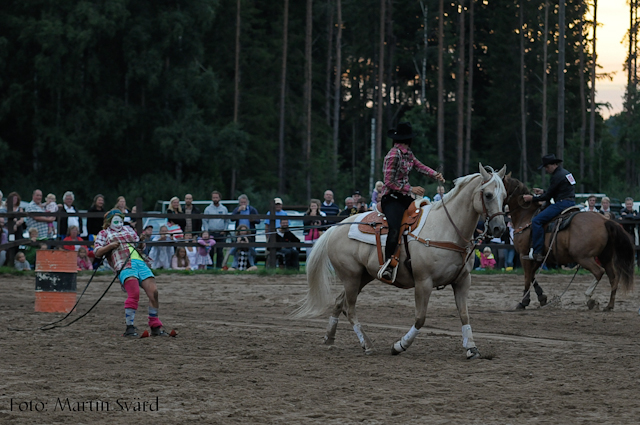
118 243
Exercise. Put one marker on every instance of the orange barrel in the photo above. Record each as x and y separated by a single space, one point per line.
56 273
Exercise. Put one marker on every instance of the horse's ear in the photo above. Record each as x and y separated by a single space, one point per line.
485 175
509 175
502 171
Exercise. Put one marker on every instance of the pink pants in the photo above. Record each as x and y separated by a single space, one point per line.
133 297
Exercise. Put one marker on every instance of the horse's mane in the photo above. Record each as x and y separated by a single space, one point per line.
519 189
459 183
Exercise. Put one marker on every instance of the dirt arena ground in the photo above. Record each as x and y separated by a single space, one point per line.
240 359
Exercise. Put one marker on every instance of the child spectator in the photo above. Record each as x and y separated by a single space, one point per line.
206 243
84 262
180 261
21 263
243 258
487 261
161 255
375 195
32 247
72 235
51 206
192 252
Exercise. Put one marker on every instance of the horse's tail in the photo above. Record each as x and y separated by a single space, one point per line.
319 277
623 254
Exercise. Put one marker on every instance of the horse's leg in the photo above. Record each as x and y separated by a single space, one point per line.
422 294
597 272
351 291
542 298
461 292
613 280
330 336
529 276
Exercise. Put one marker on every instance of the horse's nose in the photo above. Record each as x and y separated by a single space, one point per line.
498 230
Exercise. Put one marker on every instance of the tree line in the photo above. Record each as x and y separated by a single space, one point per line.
161 98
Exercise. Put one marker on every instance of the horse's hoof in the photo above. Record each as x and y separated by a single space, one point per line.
543 300
394 352
329 341
368 351
473 353
607 308
591 304
520 306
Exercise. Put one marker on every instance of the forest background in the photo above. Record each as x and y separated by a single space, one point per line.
277 98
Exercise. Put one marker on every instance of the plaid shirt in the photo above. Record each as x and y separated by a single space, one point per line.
397 165
118 256
41 226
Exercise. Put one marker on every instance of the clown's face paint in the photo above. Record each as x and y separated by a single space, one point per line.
116 223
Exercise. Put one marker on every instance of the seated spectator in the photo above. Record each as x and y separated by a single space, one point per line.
180 261
175 230
147 235
84 262
487 260
439 194
289 254
361 205
192 252
349 209
591 204
357 197
206 243
20 262
243 258
3 206
72 235
161 254
175 208
605 207
51 206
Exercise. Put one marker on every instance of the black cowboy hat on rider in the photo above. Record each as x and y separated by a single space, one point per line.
397 192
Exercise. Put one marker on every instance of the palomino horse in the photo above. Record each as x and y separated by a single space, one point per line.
442 255
588 236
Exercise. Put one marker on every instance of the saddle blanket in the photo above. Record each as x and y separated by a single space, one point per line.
356 234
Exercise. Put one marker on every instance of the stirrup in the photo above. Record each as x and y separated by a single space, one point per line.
387 274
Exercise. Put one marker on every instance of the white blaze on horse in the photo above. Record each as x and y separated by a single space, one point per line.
442 254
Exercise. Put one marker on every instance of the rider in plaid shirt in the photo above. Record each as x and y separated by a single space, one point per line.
118 243
396 194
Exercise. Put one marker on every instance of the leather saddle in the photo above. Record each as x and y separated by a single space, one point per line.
563 220
375 222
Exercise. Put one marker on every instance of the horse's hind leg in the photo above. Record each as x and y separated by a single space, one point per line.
351 291
597 272
330 336
613 280
530 268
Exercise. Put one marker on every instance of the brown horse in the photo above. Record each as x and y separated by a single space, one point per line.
588 236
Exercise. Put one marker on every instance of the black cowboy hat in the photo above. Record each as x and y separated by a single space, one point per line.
549 159
402 132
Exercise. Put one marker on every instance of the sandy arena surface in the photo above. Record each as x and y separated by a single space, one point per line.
240 359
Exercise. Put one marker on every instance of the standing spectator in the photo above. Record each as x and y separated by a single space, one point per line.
147 234
191 224
32 246
161 254
278 207
629 213
591 204
217 227
175 208
39 223
376 194
4 238
244 208
94 224
289 254
329 207
21 263
349 209
439 194
180 261
69 208
72 236
605 207
51 206
487 261
192 252
3 206
356 196
121 205
84 262
313 220
206 243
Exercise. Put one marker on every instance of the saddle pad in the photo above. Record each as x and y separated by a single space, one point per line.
356 234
